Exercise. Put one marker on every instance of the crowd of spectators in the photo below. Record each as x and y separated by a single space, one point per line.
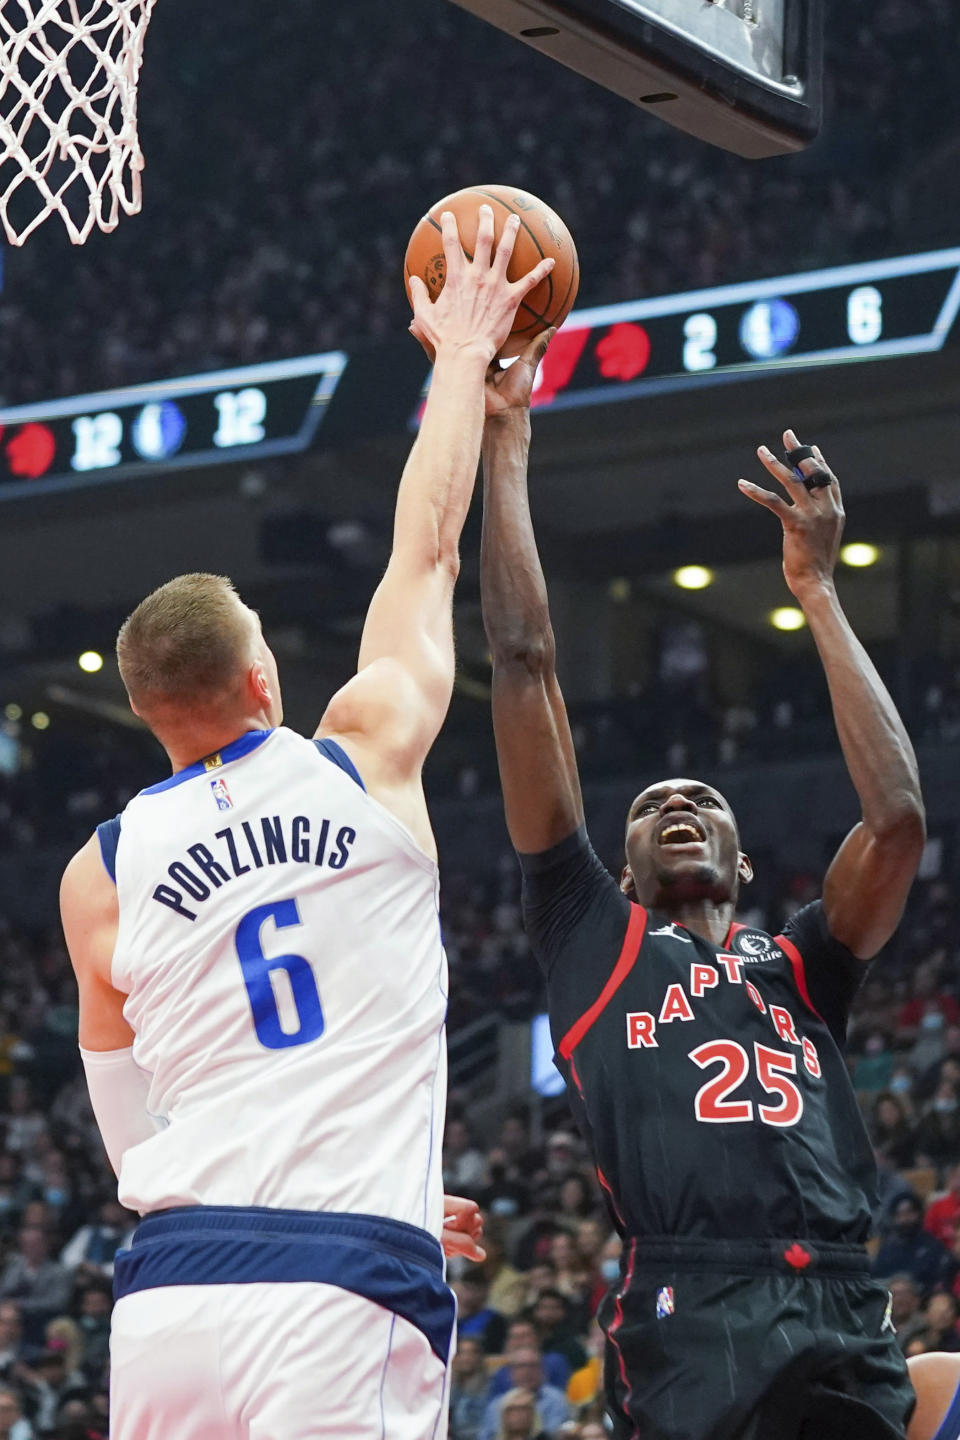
289 153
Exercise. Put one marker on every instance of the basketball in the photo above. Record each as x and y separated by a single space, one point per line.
542 233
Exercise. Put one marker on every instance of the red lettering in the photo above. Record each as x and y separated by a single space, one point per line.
675 1005
773 1066
640 1030
702 979
711 1104
733 965
810 1058
783 1024
756 997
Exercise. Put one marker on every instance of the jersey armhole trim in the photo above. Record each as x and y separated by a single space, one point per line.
799 972
949 1427
108 835
338 756
626 960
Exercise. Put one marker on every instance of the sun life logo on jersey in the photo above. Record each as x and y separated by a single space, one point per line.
670 931
753 947
221 794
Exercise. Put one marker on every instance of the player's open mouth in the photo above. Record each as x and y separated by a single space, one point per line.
681 832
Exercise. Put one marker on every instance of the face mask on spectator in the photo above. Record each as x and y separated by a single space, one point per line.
504 1205
610 1269
933 1020
900 1083
944 1105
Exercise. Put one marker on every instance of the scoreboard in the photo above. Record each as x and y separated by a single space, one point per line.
885 308
257 410
903 306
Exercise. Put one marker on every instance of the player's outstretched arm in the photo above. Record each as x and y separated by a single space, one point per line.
538 767
867 884
391 711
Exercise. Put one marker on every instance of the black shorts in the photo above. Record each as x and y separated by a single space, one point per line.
710 1340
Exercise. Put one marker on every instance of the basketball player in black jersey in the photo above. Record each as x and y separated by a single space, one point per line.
704 1060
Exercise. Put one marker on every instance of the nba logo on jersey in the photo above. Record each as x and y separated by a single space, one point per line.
221 794
664 1302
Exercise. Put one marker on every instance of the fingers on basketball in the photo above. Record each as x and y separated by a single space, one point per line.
540 233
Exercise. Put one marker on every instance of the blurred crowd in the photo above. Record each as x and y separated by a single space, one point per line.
288 157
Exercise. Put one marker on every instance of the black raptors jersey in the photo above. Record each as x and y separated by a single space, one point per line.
709 1081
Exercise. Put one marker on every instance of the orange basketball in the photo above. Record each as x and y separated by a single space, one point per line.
541 233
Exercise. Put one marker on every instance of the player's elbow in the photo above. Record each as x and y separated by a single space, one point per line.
448 560
530 652
903 827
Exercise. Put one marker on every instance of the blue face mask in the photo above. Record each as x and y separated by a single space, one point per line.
610 1269
900 1083
53 1196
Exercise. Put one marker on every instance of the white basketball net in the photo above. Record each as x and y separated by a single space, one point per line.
68 113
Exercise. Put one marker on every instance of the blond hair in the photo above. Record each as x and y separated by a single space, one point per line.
186 645
518 1396
64 1334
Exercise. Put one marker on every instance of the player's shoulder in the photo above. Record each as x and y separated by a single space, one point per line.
572 905
807 934
88 894
84 865
572 856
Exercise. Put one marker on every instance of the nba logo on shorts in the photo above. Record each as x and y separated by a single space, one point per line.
221 794
664 1302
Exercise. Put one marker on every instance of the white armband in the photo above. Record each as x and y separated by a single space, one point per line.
118 1093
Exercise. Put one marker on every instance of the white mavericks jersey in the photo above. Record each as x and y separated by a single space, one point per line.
280 946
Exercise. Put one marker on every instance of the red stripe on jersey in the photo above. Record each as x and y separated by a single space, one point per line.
735 928
606 1185
615 1324
799 973
625 962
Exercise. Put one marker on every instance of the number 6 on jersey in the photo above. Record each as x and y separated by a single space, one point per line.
256 968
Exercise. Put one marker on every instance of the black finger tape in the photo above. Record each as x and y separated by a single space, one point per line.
801 452
793 457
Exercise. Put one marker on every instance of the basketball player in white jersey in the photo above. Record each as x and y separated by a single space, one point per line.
936 1379
263 985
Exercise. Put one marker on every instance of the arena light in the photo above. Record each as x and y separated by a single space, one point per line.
787 617
13 711
40 720
693 577
90 661
859 554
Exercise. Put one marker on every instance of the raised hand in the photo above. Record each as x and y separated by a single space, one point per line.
477 305
812 520
511 388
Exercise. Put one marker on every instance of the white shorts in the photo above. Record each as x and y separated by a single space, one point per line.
262 1360
270 1362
